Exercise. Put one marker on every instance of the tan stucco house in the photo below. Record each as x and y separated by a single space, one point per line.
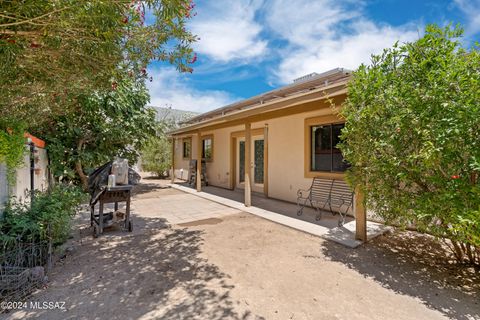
273 143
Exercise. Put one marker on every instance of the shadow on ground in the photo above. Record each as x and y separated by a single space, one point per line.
328 220
155 272
147 187
415 265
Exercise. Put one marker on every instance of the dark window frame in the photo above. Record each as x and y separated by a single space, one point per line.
185 142
204 138
332 148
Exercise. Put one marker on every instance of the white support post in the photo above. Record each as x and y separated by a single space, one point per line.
247 164
199 161
360 216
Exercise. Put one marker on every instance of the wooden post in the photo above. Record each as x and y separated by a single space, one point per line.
173 160
233 163
199 161
265 160
100 218
247 165
50 249
360 216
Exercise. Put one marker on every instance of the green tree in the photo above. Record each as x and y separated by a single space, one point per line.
102 126
156 155
51 51
412 136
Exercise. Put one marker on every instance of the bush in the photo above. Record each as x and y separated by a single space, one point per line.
54 209
157 155
12 146
412 137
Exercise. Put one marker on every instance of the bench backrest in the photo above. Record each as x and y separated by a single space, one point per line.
320 189
327 189
341 191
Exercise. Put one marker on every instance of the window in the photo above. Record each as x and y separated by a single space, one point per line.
324 154
187 148
241 163
207 148
258 160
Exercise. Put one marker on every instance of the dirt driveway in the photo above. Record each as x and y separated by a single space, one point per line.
238 266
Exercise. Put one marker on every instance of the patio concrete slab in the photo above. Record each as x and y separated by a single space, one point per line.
277 206
179 207
345 235
308 227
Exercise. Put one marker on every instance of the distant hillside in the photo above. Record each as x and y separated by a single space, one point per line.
173 115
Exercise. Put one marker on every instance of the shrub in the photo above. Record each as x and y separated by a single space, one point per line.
157 155
412 137
52 209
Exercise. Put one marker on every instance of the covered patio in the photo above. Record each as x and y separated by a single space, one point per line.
274 144
285 213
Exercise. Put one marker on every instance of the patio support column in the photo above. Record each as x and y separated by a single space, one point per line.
199 161
360 216
247 165
173 160
265 160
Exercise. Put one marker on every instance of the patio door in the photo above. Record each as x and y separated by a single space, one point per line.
257 163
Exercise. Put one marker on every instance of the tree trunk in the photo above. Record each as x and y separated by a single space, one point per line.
81 174
78 166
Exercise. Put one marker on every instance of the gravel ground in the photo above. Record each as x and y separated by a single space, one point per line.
243 267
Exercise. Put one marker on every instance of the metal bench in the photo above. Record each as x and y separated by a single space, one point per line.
326 193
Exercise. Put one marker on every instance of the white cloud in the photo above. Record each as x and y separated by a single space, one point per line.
303 21
228 30
347 51
169 88
326 34
471 9
304 36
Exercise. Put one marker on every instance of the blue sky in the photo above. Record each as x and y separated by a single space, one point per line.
247 47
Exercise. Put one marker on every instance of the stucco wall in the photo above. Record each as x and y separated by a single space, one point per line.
218 170
286 172
181 165
3 186
22 185
286 155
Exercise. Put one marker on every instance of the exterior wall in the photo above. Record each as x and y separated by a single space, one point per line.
286 154
181 165
3 187
218 170
22 185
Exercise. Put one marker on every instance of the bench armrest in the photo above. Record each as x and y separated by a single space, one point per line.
303 194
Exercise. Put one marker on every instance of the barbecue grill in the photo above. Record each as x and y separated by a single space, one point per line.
102 194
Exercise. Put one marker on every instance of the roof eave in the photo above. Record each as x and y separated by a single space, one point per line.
258 109
331 75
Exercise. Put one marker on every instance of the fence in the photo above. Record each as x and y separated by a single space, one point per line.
23 268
